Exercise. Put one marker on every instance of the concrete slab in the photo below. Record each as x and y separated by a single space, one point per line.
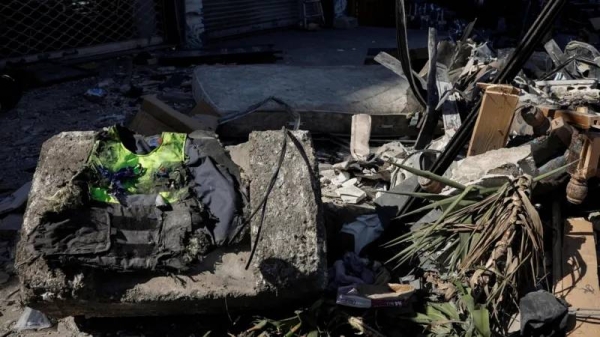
218 283
293 203
325 97
338 89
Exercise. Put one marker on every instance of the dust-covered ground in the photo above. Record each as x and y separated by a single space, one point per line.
46 111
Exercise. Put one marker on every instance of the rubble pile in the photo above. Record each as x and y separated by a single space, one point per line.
489 232
481 222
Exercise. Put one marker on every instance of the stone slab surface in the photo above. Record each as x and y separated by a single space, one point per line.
219 283
294 203
341 89
512 161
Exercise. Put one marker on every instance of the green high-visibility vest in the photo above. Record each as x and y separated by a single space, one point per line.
161 171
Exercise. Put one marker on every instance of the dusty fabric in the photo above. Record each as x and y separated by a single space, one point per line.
542 315
115 237
353 270
217 183
145 231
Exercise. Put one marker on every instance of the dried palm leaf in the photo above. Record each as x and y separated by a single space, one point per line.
495 243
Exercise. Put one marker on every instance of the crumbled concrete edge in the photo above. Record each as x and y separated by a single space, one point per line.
61 293
39 282
291 254
505 161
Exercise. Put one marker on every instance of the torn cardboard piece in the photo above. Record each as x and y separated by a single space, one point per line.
495 118
375 296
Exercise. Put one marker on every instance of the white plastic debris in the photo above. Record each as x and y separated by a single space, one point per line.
351 194
341 178
366 229
32 320
350 182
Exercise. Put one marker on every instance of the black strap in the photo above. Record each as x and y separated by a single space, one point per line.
403 53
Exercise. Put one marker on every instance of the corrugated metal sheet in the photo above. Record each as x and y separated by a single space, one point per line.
231 17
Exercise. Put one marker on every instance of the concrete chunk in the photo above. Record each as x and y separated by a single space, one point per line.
512 162
292 236
291 253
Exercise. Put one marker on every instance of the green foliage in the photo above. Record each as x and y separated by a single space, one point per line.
454 319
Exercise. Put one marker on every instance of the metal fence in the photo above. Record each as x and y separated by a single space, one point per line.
56 28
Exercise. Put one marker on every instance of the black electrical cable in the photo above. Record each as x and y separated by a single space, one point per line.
526 48
567 63
263 204
432 116
268 191
403 52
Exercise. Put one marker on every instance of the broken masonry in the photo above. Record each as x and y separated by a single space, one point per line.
120 212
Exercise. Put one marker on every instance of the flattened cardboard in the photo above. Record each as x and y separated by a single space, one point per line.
495 118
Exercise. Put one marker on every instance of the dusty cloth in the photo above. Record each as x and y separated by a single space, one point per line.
366 229
114 237
543 315
352 269
145 231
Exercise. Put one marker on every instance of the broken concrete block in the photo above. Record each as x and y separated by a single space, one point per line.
218 283
507 161
240 155
327 175
291 251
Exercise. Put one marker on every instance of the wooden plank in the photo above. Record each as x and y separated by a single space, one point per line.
590 154
576 118
391 63
494 120
579 285
557 241
101 50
